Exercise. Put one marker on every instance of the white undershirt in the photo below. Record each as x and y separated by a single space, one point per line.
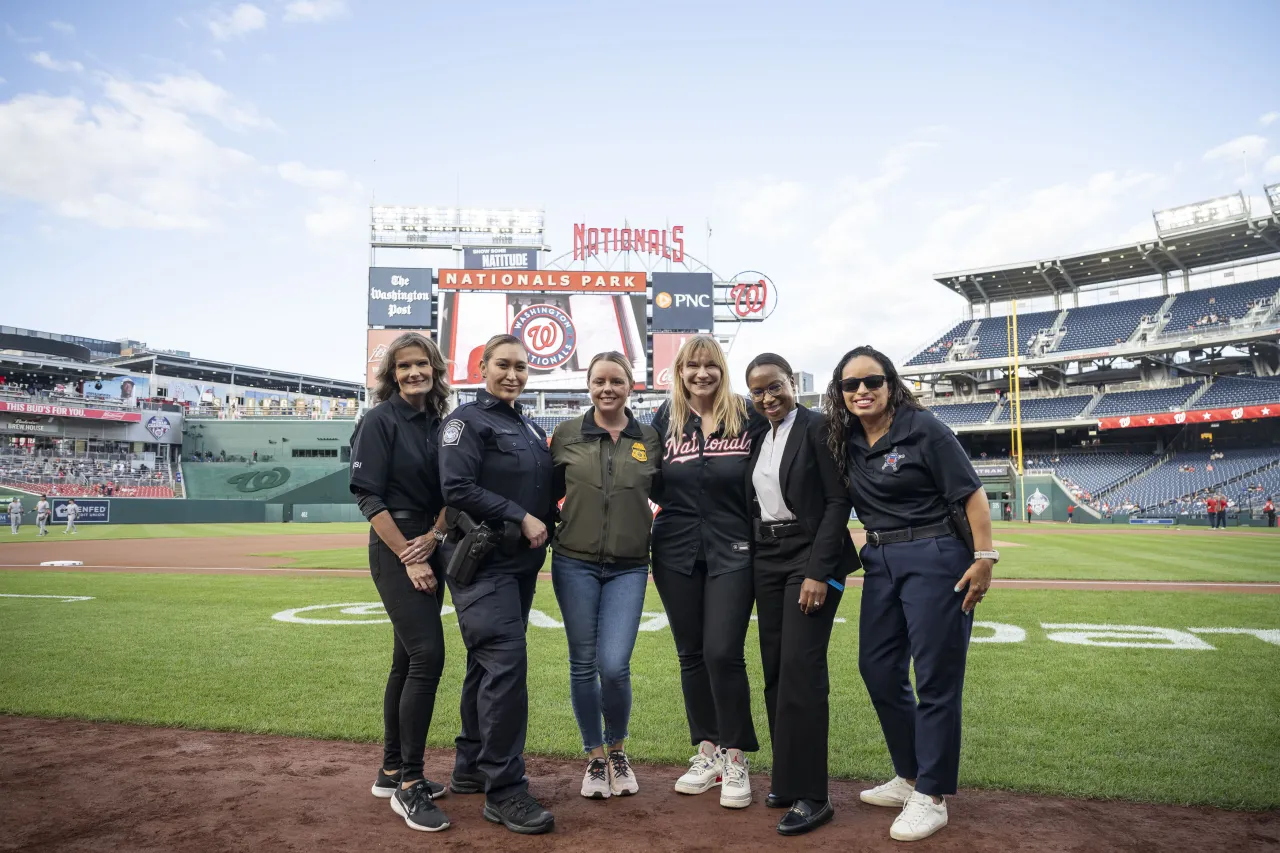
766 476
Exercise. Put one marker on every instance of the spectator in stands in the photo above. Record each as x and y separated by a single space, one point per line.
255 456
1269 510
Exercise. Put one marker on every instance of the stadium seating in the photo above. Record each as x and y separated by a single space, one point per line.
1049 408
1089 474
1142 402
936 353
90 475
963 413
993 336
1097 327
1186 474
1240 391
1214 307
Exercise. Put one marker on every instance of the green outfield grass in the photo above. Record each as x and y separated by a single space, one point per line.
178 531
1066 554
1150 724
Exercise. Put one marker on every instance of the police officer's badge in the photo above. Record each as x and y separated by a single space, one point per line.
638 452
892 459
452 433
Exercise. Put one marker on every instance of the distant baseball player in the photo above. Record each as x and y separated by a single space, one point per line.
15 514
42 516
73 512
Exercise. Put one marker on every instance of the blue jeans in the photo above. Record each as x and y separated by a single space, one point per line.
601 607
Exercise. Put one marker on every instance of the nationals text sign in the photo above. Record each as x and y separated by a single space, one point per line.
1200 416
558 281
70 412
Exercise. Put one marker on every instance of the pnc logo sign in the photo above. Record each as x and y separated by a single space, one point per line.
683 302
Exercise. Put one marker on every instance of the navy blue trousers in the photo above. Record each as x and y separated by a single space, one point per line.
911 612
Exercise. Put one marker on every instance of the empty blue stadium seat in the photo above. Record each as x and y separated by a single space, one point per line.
1049 408
1240 391
1097 327
1228 302
936 353
963 413
1143 402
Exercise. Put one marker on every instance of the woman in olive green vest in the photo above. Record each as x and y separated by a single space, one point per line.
605 465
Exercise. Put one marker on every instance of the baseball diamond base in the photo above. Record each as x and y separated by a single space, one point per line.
146 789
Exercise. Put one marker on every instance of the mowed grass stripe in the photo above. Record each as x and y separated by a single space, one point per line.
175 531
197 651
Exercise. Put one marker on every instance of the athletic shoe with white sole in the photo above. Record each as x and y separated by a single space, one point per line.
735 790
920 818
415 806
704 771
622 779
595 784
384 786
892 794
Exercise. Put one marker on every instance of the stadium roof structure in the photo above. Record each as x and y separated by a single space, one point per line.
186 367
1178 250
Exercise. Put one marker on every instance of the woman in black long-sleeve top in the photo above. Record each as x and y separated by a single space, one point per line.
802 554
395 477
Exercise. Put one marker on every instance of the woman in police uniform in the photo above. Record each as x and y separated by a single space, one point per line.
702 564
395 478
911 482
495 466
802 555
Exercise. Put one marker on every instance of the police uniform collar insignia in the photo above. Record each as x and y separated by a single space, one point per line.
892 459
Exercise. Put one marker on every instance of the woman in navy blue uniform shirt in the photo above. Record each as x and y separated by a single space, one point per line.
907 475
496 467
394 477
702 563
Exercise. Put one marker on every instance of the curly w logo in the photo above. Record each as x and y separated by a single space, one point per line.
259 481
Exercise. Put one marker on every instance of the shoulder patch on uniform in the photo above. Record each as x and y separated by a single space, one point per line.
638 452
452 433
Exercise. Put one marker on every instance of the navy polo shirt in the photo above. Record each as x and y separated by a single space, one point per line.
912 475
495 466
394 457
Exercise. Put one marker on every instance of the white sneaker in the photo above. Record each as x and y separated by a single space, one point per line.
735 791
892 794
704 771
920 818
595 784
622 779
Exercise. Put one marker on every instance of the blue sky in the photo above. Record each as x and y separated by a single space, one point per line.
197 175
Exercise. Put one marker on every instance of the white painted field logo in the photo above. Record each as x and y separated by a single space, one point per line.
350 613
1038 502
548 335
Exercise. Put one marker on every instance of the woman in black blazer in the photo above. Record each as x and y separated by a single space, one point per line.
802 554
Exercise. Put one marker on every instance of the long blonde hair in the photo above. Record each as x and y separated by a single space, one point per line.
729 409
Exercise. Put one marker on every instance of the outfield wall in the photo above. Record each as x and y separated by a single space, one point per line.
277 438
264 481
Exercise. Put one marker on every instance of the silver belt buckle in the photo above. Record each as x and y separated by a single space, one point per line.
874 538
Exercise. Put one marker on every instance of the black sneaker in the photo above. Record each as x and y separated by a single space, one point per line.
521 813
414 804
467 783
384 786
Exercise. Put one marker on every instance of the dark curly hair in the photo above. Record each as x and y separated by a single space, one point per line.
839 419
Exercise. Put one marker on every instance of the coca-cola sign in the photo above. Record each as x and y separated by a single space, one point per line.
665 347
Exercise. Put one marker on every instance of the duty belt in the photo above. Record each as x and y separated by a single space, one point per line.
876 538
408 515
767 531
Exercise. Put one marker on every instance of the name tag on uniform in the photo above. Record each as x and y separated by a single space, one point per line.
740 547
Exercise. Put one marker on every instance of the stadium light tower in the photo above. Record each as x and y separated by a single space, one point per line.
1273 197
1202 214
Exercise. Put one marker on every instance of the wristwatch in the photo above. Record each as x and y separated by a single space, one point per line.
440 535
993 556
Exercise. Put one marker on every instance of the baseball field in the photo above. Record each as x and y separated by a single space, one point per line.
1108 664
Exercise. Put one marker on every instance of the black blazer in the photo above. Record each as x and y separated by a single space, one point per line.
816 495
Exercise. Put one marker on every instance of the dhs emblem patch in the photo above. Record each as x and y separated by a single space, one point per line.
158 426
548 335
452 432
892 459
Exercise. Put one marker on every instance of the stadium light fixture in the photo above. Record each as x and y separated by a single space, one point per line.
451 227
1273 197
1204 214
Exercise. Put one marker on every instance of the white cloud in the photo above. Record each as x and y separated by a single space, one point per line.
337 217
1273 165
134 157
62 27
1251 146
1267 119
2 81
14 35
44 60
328 180
243 19
314 11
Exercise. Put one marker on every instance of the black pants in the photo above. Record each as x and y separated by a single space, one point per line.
911 614
1271 519
1222 519
417 659
709 616
493 615
793 649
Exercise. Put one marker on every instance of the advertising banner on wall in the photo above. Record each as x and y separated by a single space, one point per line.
561 331
91 511
555 281
399 297
1199 416
500 259
683 302
665 347
70 412
125 390
379 340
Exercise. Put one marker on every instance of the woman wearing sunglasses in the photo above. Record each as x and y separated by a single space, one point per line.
803 553
911 481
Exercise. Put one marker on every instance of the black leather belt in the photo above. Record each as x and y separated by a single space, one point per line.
876 538
767 531
407 515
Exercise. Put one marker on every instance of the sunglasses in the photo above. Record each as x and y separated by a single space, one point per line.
773 390
873 382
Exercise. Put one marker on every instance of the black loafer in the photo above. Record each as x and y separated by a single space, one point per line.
773 801
467 783
806 816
